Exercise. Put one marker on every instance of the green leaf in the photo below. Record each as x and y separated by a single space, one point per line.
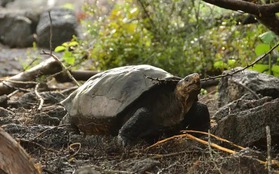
262 49
65 44
220 65
73 43
275 70
69 58
260 67
68 6
267 37
59 49
231 62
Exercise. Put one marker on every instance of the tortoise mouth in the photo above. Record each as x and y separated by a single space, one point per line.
194 87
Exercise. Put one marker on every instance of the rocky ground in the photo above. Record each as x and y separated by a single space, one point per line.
60 150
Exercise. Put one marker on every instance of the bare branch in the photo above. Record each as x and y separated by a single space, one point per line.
271 22
247 7
265 13
50 32
246 67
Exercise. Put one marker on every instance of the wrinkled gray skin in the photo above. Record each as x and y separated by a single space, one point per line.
136 102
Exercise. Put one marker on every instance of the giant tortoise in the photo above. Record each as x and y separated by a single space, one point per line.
136 102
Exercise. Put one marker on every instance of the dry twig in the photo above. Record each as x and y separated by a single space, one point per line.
39 97
22 141
63 66
268 141
55 57
214 136
73 149
273 162
158 156
248 89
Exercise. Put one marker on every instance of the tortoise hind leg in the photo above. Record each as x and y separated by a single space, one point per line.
138 126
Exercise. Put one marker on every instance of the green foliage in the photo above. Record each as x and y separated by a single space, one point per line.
224 65
121 38
262 48
267 37
275 70
177 35
270 66
70 51
33 57
203 92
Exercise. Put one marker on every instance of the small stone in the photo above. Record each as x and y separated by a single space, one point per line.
3 101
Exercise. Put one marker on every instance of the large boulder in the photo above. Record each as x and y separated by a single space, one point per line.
64 27
249 102
244 121
247 82
17 27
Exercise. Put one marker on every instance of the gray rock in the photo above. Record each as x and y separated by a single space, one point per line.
87 170
3 3
244 103
55 110
141 165
233 88
45 119
5 116
17 27
5 112
29 100
4 101
245 121
244 162
64 26
50 115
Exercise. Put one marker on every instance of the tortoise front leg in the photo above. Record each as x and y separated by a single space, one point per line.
197 118
140 125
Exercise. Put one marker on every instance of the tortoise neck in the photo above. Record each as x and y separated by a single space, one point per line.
186 101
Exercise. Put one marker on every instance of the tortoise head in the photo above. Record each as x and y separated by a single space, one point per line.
187 90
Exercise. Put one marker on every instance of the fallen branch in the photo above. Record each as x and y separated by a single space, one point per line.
27 79
48 67
14 159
